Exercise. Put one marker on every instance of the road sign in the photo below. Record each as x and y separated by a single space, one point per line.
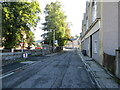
25 55
56 42
21 44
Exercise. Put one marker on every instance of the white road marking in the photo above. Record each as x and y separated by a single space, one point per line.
3 76
79 67
28 62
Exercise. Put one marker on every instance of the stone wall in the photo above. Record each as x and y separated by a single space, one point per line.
10 57
109 62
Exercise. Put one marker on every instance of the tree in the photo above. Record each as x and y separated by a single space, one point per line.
17 21
76 36
55 24
30 38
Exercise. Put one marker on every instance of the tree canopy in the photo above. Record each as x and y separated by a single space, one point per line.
55 25
17 20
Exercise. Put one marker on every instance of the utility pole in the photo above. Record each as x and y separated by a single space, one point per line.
53 40
22 45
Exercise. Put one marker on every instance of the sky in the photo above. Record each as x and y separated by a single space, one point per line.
73 9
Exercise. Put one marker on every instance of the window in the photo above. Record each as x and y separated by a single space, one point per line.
89 45
95 46
88 1
94 10
86 23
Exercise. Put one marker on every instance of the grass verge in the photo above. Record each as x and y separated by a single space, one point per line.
23 60
117 80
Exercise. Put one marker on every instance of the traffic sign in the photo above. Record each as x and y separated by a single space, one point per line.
21 44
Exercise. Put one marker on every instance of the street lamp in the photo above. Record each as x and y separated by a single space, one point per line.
21 44
53 40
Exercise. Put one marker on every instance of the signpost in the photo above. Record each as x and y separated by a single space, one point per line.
56 42
21 44
25 55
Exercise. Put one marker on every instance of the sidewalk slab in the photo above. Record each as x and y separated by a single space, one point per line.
103 77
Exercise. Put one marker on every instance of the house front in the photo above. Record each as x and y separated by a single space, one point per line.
100 32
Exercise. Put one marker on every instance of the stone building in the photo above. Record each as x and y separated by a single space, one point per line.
100 32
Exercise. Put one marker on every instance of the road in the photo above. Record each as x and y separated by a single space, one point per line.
64 70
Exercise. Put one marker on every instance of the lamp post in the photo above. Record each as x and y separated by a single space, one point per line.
53 40
22 45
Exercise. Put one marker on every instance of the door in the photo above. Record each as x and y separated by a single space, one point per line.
91 46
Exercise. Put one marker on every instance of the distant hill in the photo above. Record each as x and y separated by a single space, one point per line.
38 41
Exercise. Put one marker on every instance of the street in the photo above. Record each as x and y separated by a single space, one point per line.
64 70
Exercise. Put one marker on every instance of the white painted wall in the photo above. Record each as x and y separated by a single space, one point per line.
110 27
119 25
95 48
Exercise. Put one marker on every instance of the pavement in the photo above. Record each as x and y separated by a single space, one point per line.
102 77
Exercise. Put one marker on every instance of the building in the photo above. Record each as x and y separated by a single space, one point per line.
74 43
100 32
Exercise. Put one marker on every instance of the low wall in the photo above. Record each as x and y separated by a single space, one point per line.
109 63
10 57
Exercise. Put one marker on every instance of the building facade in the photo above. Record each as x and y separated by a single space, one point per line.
100 32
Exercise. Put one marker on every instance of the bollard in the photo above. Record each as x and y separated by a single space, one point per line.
12 50
25 55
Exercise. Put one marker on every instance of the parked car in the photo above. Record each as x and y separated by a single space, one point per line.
68 47
38 47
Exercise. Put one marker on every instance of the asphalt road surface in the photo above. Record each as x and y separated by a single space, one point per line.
64 70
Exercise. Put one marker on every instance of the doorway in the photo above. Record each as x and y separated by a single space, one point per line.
91 46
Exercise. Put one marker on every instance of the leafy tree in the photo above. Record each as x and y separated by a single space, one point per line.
76 36
30 38
55 24
17 20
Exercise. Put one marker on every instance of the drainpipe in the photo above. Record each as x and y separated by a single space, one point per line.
117 60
